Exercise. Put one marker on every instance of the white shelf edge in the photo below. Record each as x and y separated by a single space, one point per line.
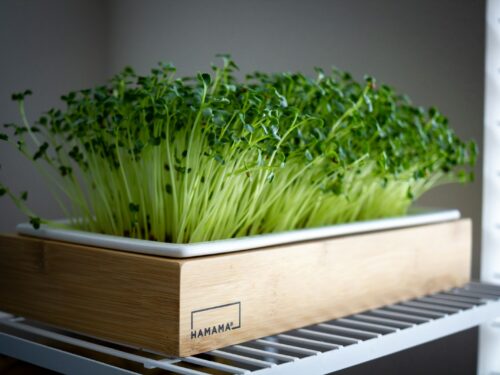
472 313
368 350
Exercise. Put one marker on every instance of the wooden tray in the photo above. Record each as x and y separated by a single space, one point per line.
186 306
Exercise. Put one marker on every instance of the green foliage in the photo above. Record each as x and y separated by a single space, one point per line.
35 221
197 159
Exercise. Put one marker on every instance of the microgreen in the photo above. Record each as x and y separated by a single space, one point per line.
204 158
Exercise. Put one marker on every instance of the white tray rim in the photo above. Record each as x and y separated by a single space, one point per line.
416 216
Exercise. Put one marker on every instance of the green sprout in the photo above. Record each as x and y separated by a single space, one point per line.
196 159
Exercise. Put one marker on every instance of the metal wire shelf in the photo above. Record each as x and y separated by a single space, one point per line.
316 349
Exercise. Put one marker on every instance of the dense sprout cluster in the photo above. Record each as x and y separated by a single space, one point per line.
204 158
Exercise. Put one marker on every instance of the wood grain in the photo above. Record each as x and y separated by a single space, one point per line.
291 286
159 303
114 295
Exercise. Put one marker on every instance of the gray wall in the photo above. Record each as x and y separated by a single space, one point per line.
50 47
431 50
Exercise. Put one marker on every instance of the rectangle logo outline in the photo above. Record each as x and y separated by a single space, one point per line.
220 328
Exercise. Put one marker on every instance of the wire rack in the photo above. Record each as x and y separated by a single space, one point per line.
315 349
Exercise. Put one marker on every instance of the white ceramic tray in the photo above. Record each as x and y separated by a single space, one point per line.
174 250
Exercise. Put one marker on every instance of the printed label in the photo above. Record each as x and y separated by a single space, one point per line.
215 320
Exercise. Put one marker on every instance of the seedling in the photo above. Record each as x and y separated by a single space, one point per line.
197 159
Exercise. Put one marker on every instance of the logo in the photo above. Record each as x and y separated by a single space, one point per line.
215 320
